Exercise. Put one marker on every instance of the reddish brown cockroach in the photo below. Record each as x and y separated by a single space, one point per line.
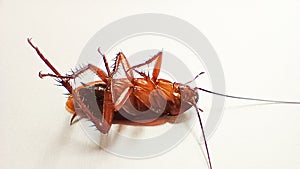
160 99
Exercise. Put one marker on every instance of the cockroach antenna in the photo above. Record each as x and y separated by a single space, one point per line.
248 98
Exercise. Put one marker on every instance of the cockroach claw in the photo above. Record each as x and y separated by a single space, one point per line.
41 75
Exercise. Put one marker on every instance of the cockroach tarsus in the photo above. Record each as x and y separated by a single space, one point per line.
143 101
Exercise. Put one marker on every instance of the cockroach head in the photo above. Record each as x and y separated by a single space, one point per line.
188 94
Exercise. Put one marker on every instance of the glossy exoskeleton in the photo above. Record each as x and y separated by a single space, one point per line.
142 101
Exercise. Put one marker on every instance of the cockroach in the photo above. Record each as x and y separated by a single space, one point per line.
143 101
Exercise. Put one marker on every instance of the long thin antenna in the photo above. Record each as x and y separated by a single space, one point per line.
204 138
247 98
194 78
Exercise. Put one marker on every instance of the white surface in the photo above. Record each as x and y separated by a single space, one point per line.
257 43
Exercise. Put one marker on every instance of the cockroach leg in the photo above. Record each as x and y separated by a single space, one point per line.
73 121
142 74
108 110
102 125
66 84
41 75
105 62
122 64
100 73
158 60
42 57
121 60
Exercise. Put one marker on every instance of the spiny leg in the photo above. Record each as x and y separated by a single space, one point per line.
99 72
109 106
101 125
42 57
42 75
142 74
105 62
66 84
158 60
121 93
121 60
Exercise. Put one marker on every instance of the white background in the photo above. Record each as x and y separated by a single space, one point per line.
258 46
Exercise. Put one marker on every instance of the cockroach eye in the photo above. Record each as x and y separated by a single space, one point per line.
196 97
181 87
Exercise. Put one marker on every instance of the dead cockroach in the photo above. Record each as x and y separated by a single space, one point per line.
143 101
